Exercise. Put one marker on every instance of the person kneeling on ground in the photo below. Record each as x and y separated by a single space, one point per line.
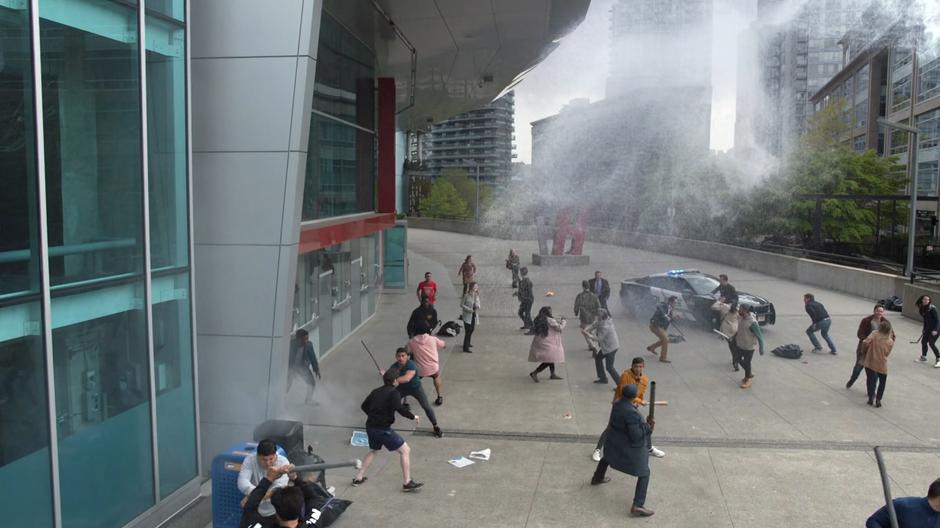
292 506
380 406
253 470
627 449
632 376
913 512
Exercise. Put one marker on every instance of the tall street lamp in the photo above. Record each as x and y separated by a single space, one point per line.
912 171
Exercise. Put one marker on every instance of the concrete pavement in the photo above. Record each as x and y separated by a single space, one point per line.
793 449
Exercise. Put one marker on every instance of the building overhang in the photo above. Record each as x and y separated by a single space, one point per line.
467 52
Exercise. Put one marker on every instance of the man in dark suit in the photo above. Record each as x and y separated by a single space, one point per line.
601 288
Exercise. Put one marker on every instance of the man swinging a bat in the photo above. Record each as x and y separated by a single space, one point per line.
632 376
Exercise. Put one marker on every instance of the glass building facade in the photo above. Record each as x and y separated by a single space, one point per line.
337 286
96 348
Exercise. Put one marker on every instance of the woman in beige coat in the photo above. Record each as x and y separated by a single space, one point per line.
878 347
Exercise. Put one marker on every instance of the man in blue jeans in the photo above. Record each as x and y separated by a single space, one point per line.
821 322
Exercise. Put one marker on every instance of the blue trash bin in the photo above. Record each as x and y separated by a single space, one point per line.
226 499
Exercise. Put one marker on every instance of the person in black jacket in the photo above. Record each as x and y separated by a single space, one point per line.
821 322
293 505
601 288
423 319
380 406
627 448
658 325
526 297
931 328
726 292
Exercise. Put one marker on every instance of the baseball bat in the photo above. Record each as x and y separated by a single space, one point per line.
356 463
377 367
652 398
892 515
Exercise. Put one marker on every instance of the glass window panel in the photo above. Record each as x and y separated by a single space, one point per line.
345 75
929 127
166 140
91 116
900 93
173 380
19 270
340 174
171 8
929 80
24 422
927 177
102 386
307 289
337 258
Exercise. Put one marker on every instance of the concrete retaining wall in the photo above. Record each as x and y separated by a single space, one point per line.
910 293
869 284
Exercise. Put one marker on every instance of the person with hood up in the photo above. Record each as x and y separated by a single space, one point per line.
626 449
547 348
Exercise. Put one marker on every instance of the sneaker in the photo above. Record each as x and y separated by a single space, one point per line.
555 377
817 350
439 401
639 511
923 358
656 452
358 482
438 433
604 381
604 480
877 403
596 455
746 384
411 485
534 376
833 352
937 364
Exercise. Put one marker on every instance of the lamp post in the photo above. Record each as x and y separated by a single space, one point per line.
912 170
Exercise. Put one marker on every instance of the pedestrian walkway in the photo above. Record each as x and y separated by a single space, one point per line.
792 450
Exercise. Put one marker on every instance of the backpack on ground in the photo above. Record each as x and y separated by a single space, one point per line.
892 304
788 351
449 329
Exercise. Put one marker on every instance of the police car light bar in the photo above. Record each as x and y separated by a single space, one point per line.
682 271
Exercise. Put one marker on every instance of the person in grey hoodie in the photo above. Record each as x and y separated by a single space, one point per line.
605 334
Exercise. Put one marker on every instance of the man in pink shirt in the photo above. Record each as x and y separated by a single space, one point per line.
427 288
424 350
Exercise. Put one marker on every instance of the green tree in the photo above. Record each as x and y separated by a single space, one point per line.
466 186
825 164
443 202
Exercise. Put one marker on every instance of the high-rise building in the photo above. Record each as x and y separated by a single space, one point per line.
183 184
478 142
787 56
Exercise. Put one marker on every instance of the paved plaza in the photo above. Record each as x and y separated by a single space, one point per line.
795 449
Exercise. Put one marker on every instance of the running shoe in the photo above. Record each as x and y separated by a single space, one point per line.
656 452
358 482
437 432
596 455
411 485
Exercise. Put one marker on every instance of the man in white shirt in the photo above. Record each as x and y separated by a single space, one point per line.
255 467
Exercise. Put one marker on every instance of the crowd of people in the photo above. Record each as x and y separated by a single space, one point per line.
626 442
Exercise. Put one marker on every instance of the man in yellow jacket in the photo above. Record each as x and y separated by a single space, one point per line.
632 376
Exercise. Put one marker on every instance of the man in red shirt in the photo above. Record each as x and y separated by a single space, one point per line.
427 288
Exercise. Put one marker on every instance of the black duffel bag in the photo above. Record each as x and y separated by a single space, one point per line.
788 351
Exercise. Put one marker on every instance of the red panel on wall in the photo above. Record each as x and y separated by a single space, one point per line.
386 137
329 234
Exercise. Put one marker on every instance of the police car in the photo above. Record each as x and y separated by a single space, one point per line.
693 291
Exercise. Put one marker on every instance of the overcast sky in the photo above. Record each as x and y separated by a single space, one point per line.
578 68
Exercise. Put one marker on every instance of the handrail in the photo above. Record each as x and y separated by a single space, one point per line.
19 255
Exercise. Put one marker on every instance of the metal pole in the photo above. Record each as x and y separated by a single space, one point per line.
889 504
912 171
478 193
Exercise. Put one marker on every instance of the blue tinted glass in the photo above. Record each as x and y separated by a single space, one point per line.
340 175
91 111
345 75
166 140
18 202
24 423
171 8
173 379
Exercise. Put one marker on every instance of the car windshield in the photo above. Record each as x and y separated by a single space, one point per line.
701 284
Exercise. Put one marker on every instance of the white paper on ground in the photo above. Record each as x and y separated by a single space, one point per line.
460 462
359 439
483 454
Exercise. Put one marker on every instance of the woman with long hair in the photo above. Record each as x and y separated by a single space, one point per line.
469 313
877 347
928 312
547 348
466 271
